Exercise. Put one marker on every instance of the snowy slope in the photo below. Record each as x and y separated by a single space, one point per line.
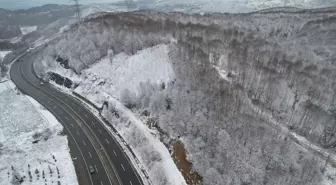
232 76
231 6
109 78
200 6
151 152
16 39
32 150
27 29
106 81
94 9
3 54
120 72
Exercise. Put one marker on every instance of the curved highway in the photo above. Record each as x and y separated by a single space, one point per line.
91 144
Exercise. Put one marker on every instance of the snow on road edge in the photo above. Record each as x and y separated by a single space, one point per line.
164 161
42 149
133 160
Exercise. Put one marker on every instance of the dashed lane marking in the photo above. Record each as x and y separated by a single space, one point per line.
123 167
90 155
114 153
96 168
107 141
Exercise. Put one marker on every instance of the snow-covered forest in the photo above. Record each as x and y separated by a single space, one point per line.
251 96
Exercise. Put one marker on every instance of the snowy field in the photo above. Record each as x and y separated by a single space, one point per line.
23 120
27 29
32 150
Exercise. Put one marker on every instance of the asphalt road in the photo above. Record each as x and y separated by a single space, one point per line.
91 144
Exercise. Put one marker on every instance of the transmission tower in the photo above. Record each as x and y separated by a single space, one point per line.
77 11
129 4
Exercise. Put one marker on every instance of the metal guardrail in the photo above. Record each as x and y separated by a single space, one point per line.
115 131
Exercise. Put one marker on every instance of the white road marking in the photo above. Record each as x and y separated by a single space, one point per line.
131 183
66 118
122 167
107 141
90 155
86 116
114 153
96 168
84 143
55 107
78 133
73 125
93 122
101 183
99 130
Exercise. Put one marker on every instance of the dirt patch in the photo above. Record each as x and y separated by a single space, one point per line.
185 167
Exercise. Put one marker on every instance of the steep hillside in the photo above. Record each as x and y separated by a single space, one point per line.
21 22
252 96
232 6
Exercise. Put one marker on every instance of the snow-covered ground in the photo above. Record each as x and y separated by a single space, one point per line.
238 6
3 54
64 28
114 74
108 79
199 6
151 152
16 39
27 29
95 9
32 149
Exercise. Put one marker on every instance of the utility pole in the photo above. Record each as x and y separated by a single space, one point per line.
77 11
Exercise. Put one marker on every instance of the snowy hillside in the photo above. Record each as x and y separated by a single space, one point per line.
28 29
32 150
121 76
251 96
113 75
3 54
231 6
